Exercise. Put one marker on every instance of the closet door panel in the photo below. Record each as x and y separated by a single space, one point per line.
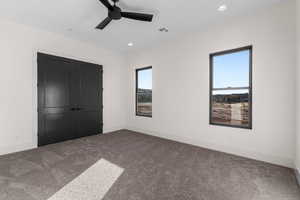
89 123
90 111
91 86
75 82
54 110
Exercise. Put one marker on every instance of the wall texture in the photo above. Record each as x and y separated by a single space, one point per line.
181 86
18 79
298 91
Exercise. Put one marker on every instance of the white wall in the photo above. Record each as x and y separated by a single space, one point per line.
298 89
18 78
181 86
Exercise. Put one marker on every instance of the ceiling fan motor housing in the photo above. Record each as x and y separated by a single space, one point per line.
115 13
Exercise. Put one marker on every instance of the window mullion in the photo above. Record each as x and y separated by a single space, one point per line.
231 88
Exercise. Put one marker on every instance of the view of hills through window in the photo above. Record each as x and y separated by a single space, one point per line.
230 89
144 92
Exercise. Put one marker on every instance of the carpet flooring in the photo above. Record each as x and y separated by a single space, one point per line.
152 169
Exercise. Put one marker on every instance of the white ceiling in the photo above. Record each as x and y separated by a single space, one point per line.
77 18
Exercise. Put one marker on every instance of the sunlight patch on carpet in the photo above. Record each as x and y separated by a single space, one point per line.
92 184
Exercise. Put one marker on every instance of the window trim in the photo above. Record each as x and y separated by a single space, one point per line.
211 65
136 89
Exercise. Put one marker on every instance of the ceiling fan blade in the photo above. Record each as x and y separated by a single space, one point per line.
107 4
137 16
104 23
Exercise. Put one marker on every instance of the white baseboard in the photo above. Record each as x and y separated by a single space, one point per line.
17 148
14 148
286 162
249 154
112 129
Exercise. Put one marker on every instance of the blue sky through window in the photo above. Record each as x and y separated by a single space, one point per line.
145 79
231 70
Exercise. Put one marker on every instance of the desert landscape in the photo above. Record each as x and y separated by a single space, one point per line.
230 110
144 102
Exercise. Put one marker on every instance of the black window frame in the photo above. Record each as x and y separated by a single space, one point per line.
211 68
136 92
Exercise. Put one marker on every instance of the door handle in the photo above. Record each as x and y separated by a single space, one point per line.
76 109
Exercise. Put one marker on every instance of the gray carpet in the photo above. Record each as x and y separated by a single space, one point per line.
154 169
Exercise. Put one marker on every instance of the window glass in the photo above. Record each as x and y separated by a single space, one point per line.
144 92
231 88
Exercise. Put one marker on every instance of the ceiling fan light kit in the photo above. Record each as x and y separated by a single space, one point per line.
115 13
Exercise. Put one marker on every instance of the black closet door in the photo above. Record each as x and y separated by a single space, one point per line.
54 103
90 100
69 99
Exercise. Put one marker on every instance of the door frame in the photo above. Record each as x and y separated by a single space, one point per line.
34 138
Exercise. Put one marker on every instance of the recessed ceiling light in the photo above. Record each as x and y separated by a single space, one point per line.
222 8
130 44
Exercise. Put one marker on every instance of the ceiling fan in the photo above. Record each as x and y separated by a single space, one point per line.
115 13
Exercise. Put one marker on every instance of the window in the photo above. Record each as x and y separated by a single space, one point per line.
231 88
144 92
